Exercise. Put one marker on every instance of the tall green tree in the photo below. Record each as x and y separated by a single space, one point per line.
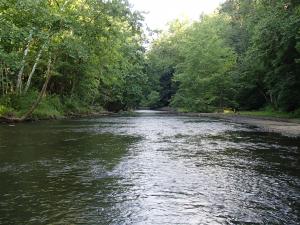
267 72
204 78
96 44
162 60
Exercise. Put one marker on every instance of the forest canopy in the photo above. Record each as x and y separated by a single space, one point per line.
245 56
93 51
59 57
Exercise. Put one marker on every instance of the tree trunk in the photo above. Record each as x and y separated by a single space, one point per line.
38 100
273 101
37 59
7 81
20 74
264 95
42 93
64 5
2 79
73 88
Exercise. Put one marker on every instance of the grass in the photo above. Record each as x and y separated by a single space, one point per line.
51 107
272 114
266 114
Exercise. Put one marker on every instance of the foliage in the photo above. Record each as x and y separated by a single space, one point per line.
271 113
245 56
267 71
95 47
203 76
161 62
152 100
198 61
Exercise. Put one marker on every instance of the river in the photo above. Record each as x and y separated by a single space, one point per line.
151 168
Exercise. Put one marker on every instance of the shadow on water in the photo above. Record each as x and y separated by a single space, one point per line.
52 175
149 168
268 151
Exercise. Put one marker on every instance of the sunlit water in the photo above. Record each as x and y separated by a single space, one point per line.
152 168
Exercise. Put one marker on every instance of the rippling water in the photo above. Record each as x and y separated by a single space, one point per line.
152 168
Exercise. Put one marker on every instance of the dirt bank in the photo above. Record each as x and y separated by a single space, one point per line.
287 127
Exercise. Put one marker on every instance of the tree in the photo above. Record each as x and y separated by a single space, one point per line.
97 46
203 76
267 70
162 60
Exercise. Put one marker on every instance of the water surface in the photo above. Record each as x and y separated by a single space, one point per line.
152 168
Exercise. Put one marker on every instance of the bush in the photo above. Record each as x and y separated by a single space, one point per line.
18 105
6 111
75 105
153 100
50 107
296 113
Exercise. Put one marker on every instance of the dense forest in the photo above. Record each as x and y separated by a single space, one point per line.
60 57
246 57
63 56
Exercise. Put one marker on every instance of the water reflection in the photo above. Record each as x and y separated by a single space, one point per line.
152 168
50 174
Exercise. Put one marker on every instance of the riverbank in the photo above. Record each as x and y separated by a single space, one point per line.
286 127
72 115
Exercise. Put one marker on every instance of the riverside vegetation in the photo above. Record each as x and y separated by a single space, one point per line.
59 57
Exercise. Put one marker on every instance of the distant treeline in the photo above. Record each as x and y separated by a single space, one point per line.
61 57
246 56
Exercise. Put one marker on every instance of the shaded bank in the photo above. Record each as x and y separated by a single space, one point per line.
287 127
72 115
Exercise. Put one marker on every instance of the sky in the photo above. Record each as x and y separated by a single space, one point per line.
160 12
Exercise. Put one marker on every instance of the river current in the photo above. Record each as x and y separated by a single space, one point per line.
151 168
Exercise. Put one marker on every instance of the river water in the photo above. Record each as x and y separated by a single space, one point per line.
151 168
